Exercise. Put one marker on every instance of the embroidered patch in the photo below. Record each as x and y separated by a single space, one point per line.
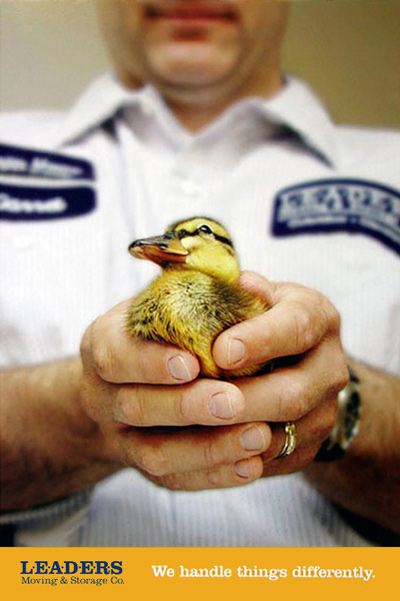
34 163
23 203
345 205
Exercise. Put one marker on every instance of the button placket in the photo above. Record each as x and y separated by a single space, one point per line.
183 174
190 188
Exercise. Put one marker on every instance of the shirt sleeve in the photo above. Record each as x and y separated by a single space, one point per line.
55 516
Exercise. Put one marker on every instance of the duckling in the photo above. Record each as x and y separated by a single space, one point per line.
197 296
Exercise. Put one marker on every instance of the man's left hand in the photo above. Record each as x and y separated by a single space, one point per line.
300 333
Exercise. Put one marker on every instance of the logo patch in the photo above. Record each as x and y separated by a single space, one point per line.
346 205
34 163
23 203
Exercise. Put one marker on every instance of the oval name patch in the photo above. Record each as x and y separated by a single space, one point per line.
28 203
339 205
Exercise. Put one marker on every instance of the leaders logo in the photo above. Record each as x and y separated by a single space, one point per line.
339 205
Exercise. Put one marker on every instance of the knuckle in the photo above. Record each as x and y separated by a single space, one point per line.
85 346
93 345
326 421
98 349
173 482
213 478
314 321
339 373
146 358
103 362
137 408
183 406
301 458
303 326
303 329
329 319
333 318
188 481
332 413
343 376
153 461
211 453
306 456
294 401
336 319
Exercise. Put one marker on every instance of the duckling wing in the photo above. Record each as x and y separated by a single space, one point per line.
189 310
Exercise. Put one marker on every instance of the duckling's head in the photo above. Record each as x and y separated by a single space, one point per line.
199 244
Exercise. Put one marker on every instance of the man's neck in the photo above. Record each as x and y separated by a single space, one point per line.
197 111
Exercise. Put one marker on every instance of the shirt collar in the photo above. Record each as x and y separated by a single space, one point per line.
102 101
294 107
297 107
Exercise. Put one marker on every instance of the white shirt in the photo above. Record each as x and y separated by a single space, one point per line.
279 174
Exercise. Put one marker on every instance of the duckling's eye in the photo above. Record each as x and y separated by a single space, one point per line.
180 233
205 229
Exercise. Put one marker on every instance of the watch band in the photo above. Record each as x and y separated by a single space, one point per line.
347 423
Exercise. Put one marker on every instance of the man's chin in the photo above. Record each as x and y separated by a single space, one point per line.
192 93
202 72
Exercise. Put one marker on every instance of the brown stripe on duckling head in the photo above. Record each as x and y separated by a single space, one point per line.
195 226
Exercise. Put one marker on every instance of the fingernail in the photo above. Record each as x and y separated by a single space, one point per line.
178 369
235 351
242 469
253 439
222 406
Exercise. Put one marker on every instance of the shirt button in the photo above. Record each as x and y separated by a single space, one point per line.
190 188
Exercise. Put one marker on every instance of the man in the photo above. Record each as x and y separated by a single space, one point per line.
220 132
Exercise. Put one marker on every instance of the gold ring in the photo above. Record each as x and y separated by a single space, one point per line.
290 440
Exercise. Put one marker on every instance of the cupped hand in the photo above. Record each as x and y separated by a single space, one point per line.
300 334
156 416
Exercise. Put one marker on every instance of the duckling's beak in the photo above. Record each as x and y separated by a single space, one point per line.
160 249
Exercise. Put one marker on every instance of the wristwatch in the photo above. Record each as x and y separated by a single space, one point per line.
347 423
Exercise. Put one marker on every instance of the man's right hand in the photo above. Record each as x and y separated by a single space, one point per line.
68 425
155 416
